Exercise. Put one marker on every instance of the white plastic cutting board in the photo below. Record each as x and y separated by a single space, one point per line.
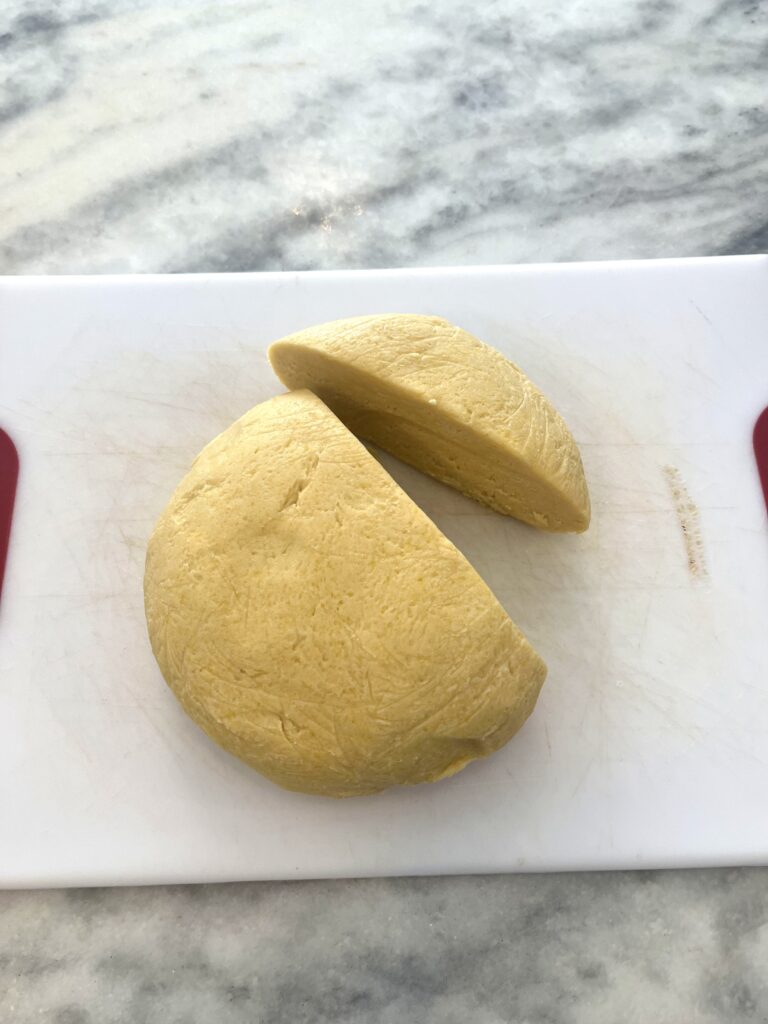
649 745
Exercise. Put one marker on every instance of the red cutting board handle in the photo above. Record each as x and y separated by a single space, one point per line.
760 438
9 474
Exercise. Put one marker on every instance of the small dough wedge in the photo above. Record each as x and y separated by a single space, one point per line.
313 620
438 398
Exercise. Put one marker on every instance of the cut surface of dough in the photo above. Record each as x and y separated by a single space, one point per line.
312 619
443 401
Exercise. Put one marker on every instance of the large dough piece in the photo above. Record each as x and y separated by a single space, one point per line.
317 624
439 399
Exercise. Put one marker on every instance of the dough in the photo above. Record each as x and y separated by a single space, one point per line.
441 400
317 624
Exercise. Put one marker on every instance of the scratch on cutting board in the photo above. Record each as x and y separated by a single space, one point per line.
549 745
701 312
690 523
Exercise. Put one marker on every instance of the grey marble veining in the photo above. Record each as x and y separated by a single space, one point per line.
571 949
142 135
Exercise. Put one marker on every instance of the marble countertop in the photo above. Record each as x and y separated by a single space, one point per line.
140 136
651 948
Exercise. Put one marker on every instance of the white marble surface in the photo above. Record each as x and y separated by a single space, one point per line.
148 136
141 135
654 948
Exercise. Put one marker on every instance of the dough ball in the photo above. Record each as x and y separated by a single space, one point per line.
317 624
439 399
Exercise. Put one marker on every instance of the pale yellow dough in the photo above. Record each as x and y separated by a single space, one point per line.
439 399
317 624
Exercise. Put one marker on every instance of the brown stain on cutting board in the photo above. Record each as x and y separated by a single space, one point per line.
689 517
